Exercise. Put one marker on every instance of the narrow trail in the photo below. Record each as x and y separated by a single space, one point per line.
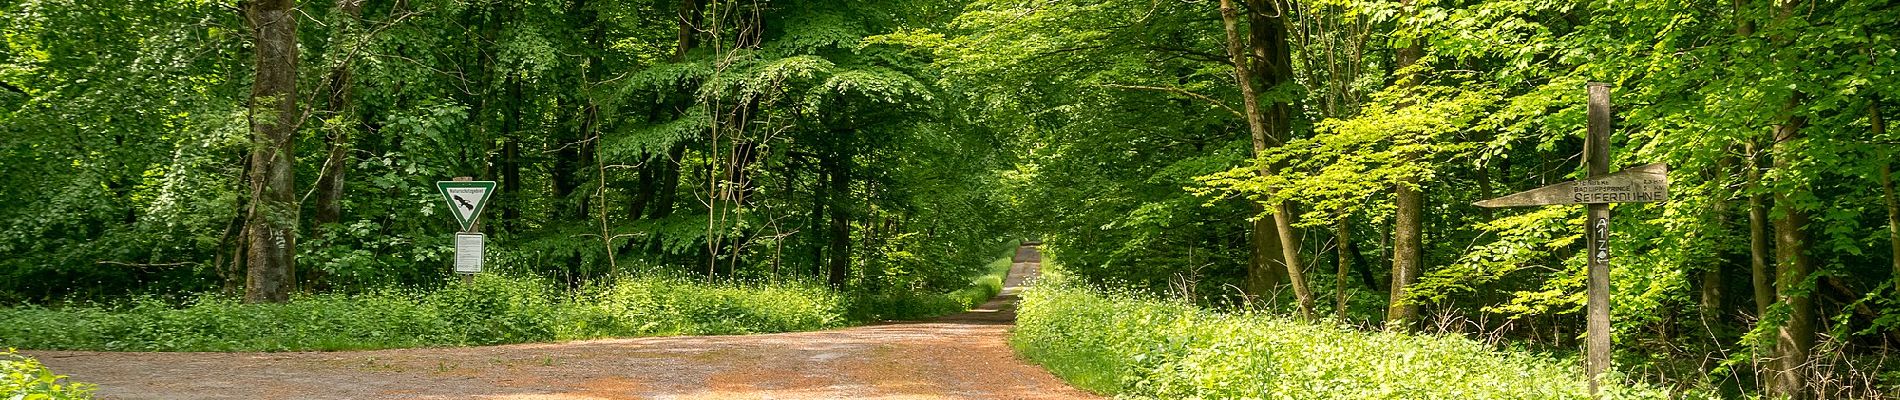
963 356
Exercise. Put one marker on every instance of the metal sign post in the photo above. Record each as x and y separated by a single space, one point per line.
1644 184
467 198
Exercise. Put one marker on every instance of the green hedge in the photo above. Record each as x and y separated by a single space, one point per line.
1135 346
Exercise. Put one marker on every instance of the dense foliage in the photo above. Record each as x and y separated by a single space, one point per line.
1258 154
23 378
1136 346
1138 167
722 138
491 310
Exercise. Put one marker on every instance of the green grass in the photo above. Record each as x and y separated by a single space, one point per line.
491 310
892 305
23 377
985 286
1135 346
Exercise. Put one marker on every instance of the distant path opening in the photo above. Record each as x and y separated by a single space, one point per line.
962 356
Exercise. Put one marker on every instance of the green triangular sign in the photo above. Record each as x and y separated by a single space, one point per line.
466 199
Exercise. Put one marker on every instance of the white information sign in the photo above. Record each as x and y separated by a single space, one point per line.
468 253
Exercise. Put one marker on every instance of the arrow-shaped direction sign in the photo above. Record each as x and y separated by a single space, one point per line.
466 199
1644 184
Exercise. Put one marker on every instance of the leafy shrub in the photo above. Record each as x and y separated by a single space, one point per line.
672 305
214 323
911 304
496 310
23 378
493 309
984 287
1134 346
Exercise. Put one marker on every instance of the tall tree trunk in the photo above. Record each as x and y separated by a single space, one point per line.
1712 288
643 192
511 184
687 18
494 17
659 176
820 197
1342 237
575 155
338 107
648 169
1266 259
233 272
1795 338
329 209
1762 274
840 214
1893 219
1408 238
1264 238
1362 268
1886 182
565 171
669 181
1268 124
1407 250
1274 58
272 221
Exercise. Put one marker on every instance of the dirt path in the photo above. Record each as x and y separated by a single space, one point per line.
955 357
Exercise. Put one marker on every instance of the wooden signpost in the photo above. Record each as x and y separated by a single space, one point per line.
1648 183
1644 184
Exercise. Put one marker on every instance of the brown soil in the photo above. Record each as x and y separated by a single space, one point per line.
954 357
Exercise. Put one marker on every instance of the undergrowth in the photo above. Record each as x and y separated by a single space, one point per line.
1136 346
23 377
491 310
888 305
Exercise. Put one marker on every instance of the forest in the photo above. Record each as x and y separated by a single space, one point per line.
194 175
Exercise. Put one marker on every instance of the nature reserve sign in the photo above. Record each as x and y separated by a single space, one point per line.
467 199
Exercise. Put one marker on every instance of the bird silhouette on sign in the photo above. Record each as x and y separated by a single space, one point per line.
465 204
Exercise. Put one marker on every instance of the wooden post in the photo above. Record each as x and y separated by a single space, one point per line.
1642 184
1596 156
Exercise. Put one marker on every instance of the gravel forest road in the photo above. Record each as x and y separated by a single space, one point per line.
963 356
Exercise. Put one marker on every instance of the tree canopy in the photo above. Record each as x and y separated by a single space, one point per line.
1316 157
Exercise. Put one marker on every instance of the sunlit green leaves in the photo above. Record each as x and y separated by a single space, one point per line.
1399 138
